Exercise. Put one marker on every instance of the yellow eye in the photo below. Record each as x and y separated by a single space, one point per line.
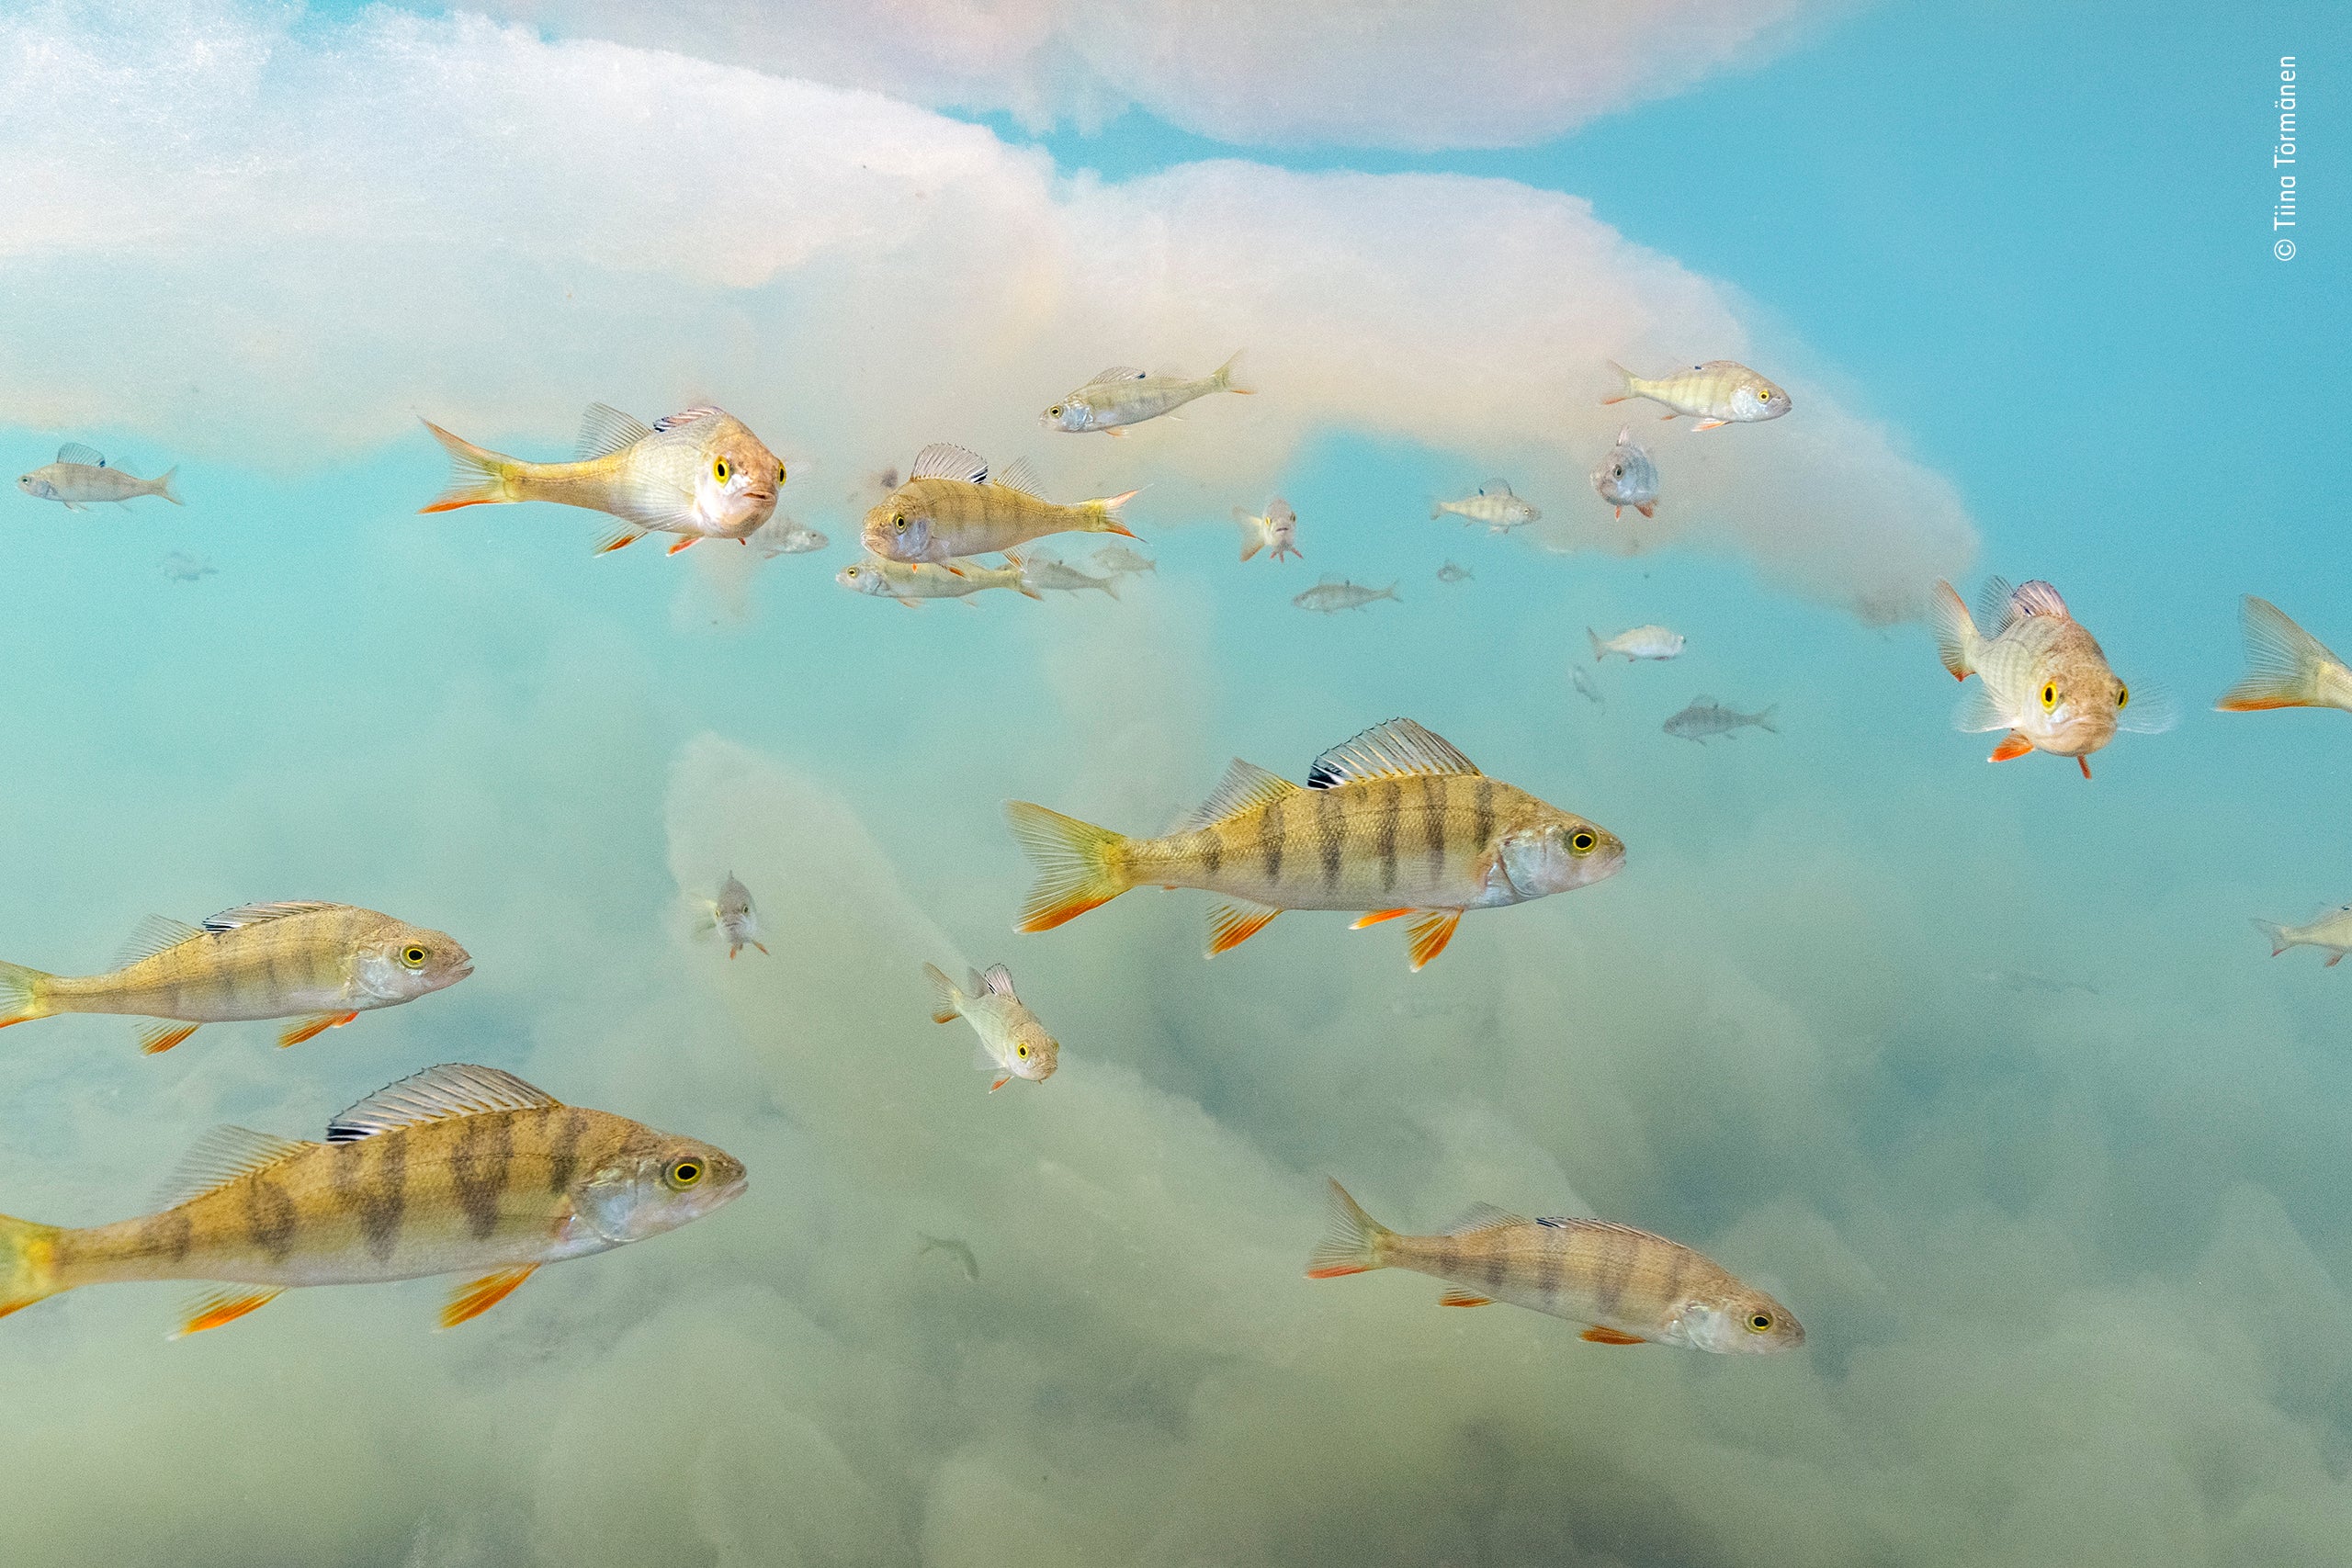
1581 842
779 473
720 470
2048 695
853 572
1021 1051
1758 1323
1053 412
683 1173
2122 694
900 522
413 957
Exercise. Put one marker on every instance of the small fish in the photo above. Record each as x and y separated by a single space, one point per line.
699 474
2286 666
1631 1287
322 964
1641 642
1336 594
1450 572
2332 930
732 916
2018 980
2043 677
911 583
780 536
1278 526
1583 683
1044 569
1122 396
950 508
958 1250
455 1170
1125 562
1706 717
181 567
1627 476
1720 392
1493 506
1012 1043
81 478
1394 822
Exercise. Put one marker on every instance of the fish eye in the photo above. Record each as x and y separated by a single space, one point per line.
1021 1049
720 470
1053 412
414 956
683 1173
1581 841
2048 695
852 572
900 522
1758 1321
779 473
2122 694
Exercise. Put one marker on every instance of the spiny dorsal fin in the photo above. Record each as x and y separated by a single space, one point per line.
154 935
2038 598
1482 1217
688 416
1020 477
604 430
1395 749
1245 785
220 1156
254 914
437 1094
998 979
1585 1222
1116 373
75 452
945 460
1996 611
1495 486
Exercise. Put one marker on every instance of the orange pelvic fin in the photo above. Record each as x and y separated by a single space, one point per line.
1599 1336
689 542
475 1297
1708 424
1464 1298
619 539
2013 746
2083 763
1376 918
1000 1083
156 1038
1431 932
216 1308
312 1027
1647 508
1230 925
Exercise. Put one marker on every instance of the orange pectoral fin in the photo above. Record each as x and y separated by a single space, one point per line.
156 1038
475 1297
453 505
1708 424
1464 1298
1230 925
2083 763
217 1307
2013 746
312 1028
1599 1336
1430 933
689 542
1376 916
1000 1083
619 541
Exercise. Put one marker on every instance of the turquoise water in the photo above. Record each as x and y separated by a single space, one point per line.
1982 1070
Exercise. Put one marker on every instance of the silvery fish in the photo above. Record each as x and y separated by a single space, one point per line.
913 582
2286 666
1123 396
1394 822
1493 506
1706 717
949 508
1124 561
1333 594
2332 930
1450 572
780 536
456 1171
732 916
960 1251
322 964
1641 642
699 474
81 478
1583 683
181 567
1627 476
2041 676
1630 1286
1043 569
1012 1043
1720 392
1278 526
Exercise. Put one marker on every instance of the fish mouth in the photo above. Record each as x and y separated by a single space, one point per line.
758 495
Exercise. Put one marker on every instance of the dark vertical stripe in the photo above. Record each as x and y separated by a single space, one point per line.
269 1218
165 1235
478 1168
1212 848
563 1161
1609 1286
1384 835
1327 826
1270 836
1433 823
369 1180
1551 1265
1482 824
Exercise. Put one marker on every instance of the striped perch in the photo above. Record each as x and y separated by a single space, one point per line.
1394 822
950 508
1631 1287
455 1170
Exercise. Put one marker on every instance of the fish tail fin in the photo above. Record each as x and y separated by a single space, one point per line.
2279 941
1104 522
163 487
27 1263
1390 591
1956 639
1222 377
1077 864
1764 719
1254 532
1628 375
1437 509
1351 1243
478 475
1111 586
1020 579
944 996
24 994
1593 638
2283 662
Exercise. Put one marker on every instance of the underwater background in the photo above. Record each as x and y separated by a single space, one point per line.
1982 1070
